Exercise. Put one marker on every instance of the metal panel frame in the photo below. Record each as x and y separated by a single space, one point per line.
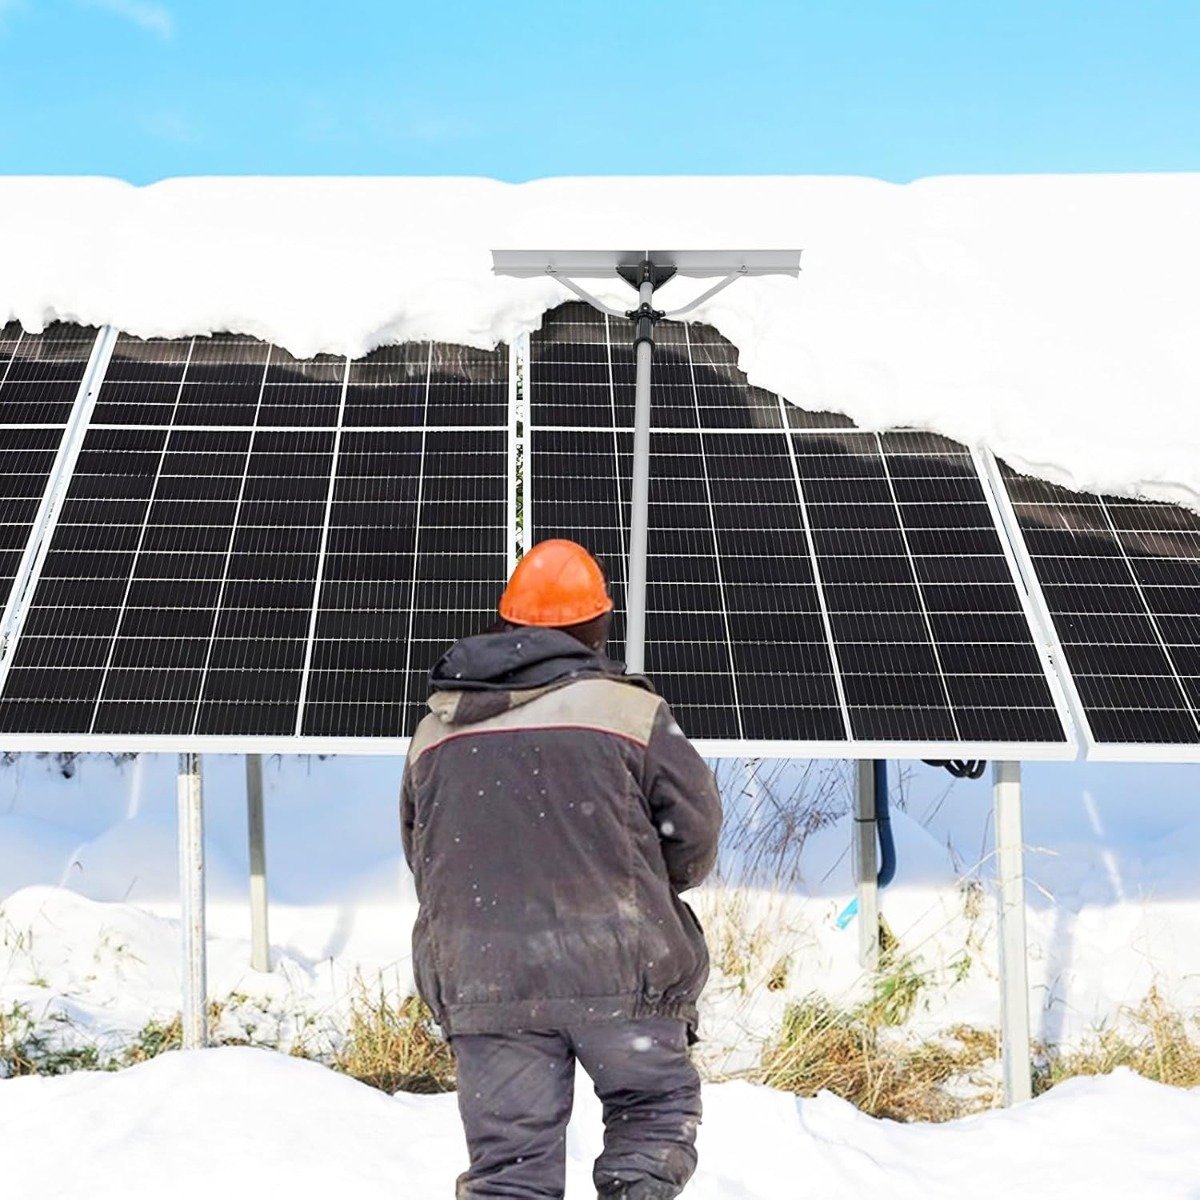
709 747
1143 752
30 567
604 264
716 540
991 751
814 561
514 548
319 580
1033 602
527 488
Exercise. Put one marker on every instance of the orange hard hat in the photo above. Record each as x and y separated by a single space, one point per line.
557 583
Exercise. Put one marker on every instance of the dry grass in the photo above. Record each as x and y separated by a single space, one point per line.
394 1047
821 1049
853 1054
859 1053
739 938
1156 1041
390 1046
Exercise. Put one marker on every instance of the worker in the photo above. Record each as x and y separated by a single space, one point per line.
552 812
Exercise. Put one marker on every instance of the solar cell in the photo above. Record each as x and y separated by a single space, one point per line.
807 581
241 553
40 373
1120 580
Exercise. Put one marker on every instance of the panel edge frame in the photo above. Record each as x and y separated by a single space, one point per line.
1055 667
707 747
1144 752
835 665
37 545
319 580
895 751
515 456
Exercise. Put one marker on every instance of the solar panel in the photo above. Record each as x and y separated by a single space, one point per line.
1120 581
807 581
40 373
254 546
40 378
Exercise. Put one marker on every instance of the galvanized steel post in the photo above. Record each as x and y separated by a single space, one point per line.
866 866
260 942
1014 970
191 895
635 615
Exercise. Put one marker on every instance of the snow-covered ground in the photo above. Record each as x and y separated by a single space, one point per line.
242 1122
1051 318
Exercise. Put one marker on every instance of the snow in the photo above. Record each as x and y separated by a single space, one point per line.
1050 318
240 1121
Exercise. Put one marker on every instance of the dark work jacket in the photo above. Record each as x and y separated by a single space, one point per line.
552 811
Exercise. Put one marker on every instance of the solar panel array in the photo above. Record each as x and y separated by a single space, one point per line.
1121 581
40 377
256 545
807 581
250 545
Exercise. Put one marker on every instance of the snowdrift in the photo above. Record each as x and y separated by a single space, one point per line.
1051 318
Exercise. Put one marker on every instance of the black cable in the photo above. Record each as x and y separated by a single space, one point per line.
970 769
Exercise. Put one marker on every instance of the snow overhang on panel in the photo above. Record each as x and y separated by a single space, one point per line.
1052 319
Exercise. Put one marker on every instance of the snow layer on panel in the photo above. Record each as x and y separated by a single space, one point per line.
1052 318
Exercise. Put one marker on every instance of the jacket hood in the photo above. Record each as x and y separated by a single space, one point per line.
517 658
484 675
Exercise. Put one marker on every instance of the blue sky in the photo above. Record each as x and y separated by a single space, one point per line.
144 89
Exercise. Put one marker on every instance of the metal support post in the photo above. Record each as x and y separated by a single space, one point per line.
645 270
260 942
866 866
1014 977
191 894
635 616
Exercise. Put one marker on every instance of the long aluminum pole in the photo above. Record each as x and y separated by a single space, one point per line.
866 866
260 942
1014 970
635 615
191 894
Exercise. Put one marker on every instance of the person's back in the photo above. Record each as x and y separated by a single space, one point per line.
552 810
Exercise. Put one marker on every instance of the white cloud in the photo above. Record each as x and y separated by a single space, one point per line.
154 18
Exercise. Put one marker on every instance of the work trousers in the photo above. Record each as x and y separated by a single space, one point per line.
515 1092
